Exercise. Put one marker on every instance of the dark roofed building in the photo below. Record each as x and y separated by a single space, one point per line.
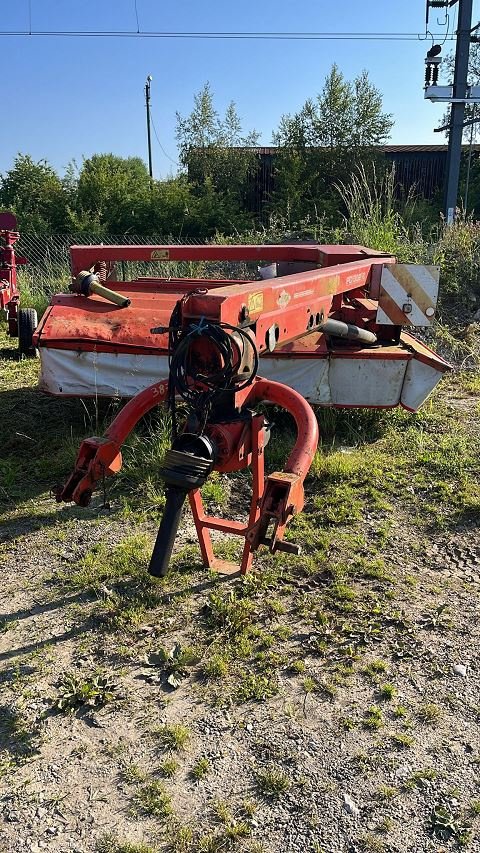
418 168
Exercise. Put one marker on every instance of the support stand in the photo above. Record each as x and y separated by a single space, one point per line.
205 523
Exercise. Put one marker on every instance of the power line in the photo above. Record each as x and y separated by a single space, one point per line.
256 36
136 15
160 144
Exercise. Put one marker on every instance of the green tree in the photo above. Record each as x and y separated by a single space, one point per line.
35 193
218 155
323 143
112 193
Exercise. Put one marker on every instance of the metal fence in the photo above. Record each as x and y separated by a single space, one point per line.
48 259
50 252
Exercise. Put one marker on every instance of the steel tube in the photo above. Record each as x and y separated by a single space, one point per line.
347 330
268 391
110 295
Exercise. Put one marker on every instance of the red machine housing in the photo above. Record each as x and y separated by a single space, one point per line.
90 347
312 297
9 295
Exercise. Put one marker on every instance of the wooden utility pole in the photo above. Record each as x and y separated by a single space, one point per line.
149 137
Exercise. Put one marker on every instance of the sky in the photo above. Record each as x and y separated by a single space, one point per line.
65 99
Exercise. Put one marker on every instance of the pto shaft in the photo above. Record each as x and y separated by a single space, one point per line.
186 467
167 532
87 283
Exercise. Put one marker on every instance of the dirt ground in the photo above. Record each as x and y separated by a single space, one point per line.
329 702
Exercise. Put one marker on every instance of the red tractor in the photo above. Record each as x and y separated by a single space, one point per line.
22 322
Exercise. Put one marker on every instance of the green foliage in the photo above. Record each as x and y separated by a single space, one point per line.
272 782
219 158
35 193
75 691
326 139
174 736
114 190
153 799
174 664
200 769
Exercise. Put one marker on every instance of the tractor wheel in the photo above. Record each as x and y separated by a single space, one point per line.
27 323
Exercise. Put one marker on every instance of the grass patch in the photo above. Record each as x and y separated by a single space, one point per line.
153 799
174 736
200 769
112 844
272 782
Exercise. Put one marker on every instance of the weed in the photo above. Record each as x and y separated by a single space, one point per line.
272 782
254 686
131 773
228 611
445 824
402 740
387 692
386 792
174 736
153 799
200 769
373 718
399 711
429 714
375 668
234 828
420 778
216 667
180 838
174 665
371 843
168 768
76 692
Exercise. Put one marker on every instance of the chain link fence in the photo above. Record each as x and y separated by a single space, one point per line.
47 252
48 263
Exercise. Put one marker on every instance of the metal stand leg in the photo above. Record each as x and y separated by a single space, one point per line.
205 523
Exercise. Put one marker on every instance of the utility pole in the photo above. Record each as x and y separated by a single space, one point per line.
457 115
149 137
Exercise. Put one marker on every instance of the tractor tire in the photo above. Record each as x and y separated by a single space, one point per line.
27 323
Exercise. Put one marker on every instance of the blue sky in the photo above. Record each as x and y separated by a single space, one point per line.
67 98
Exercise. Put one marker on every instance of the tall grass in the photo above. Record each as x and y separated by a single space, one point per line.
375 220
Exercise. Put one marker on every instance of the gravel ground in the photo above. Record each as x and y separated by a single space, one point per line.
371 742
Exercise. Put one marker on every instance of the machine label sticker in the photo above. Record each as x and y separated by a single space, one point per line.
302 294
283 299
160 255
358 278
255 302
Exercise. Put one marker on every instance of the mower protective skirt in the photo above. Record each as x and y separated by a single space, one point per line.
343 376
